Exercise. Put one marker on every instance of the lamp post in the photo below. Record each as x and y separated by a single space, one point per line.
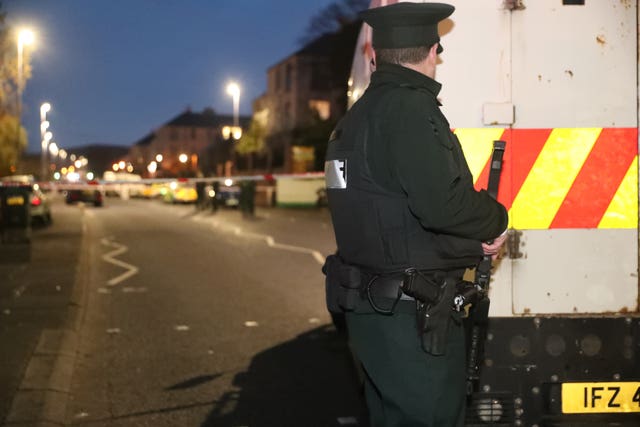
44 125
234 90
25 37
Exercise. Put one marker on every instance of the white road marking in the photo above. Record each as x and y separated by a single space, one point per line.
113 330
104 291
314 320
181 328
270 241
250 323
109 257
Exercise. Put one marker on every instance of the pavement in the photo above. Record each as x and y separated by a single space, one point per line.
42 298
40 308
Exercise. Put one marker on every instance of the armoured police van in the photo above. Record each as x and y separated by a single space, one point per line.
557 80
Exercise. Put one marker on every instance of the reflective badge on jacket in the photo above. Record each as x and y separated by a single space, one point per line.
335 173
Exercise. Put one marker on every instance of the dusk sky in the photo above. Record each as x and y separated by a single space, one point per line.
114 70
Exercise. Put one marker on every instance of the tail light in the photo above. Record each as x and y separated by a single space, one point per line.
35 201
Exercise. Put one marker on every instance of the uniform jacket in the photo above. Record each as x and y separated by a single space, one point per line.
399 189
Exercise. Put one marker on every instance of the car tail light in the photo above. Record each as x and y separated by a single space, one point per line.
35 201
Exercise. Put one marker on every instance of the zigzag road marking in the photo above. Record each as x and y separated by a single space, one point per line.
109 257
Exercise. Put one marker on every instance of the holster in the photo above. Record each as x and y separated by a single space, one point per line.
434 295
342 284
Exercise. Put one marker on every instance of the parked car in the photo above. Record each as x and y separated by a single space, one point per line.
228 195
180 192
86 195
40 206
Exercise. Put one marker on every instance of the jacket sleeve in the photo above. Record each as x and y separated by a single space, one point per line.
429 163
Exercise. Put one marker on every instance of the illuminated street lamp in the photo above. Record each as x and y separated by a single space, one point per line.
234 90
183 158
53 149
44 125
25 37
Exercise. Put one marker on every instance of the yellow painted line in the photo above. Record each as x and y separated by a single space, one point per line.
623 209
477 144
551 177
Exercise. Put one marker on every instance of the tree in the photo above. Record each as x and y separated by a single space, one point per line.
13 137
252 141
333 18
315 134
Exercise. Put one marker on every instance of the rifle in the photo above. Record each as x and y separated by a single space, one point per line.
479 314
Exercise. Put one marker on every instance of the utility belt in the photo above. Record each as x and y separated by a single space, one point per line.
431 295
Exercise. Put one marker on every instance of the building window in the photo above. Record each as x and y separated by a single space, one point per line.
173 134
287 115
194 133
288 77
323 108
278 79
320 76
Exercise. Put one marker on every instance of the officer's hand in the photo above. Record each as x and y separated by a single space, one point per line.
493 248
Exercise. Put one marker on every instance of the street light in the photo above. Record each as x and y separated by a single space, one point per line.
234 90
44 125
25 37
236 131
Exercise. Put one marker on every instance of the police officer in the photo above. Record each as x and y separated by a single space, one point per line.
408 222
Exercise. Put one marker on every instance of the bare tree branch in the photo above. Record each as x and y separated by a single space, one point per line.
332 18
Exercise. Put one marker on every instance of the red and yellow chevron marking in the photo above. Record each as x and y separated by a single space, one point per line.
561 178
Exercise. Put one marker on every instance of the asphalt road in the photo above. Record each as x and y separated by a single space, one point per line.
188 319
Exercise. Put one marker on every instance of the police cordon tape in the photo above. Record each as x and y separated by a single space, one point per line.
68 185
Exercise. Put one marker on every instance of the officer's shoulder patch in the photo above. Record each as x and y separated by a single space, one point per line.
335 174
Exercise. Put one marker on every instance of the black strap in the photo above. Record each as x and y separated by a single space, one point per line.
479 315
496 168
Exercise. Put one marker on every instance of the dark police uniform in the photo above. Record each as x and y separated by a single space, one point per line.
401 197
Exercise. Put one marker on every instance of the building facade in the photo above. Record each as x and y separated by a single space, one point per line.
303 90
191 144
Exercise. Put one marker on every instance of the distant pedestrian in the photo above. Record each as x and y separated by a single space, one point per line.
247 197
216 196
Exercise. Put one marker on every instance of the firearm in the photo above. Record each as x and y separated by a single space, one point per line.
479 313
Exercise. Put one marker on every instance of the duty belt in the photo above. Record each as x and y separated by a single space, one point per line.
427 287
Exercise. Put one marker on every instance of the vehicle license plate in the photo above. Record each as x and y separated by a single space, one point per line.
15 201
600 397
